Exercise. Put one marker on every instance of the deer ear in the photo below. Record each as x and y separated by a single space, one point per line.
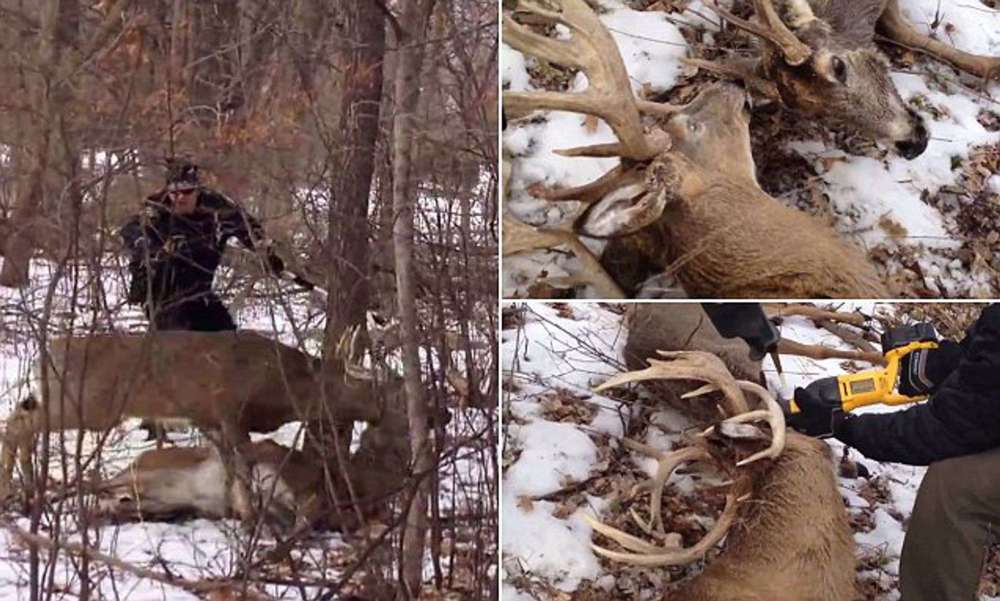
623 211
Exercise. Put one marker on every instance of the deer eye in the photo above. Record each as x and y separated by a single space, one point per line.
839 69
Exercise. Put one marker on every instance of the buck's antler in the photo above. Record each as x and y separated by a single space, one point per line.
705 367
347 352
592 50
519 236
771 413
773 29
670 553
608 96
688 365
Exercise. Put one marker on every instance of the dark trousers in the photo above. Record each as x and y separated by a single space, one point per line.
203 314
956 514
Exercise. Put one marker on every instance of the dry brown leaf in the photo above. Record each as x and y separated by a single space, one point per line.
895 230
564 510
525 503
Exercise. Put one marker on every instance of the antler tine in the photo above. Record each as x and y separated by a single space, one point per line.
624 539
519 237
592 192
669 557
346 349
665 466
794 50
773 29
687 365
774 416
593 50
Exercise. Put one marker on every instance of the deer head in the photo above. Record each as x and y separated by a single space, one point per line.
834 74
712 130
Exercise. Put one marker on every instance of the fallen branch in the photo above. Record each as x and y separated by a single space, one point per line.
197 587
848 335
815 314
813 351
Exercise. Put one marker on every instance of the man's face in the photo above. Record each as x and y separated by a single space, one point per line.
184 200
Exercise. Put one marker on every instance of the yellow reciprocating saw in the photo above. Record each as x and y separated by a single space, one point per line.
879 386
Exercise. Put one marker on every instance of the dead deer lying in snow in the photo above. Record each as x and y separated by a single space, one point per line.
191 481
236 382
786 530
822 61
692 176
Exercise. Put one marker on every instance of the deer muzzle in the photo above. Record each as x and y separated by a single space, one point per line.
916 143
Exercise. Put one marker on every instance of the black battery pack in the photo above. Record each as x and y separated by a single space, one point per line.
903 335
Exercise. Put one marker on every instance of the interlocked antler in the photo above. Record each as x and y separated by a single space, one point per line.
701 366
592 50
608 96
669 553
688 365
773 29
519 236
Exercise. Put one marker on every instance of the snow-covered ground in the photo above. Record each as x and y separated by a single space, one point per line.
880 201
198 549
558 434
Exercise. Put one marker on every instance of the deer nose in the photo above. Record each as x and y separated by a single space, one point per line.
917 143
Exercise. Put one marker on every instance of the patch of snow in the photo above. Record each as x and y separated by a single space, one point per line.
554 456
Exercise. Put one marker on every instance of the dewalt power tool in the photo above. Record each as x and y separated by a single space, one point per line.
877 386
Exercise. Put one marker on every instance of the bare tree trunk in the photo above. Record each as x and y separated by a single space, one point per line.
347 218
404 196
347 247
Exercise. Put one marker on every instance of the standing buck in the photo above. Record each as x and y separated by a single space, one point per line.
691 177
820 57
236 382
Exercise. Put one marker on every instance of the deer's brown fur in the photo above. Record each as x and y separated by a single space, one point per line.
726 237
236 382
792 540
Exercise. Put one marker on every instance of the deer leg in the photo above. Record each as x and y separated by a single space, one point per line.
238 478
11 447
19 446
894 26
